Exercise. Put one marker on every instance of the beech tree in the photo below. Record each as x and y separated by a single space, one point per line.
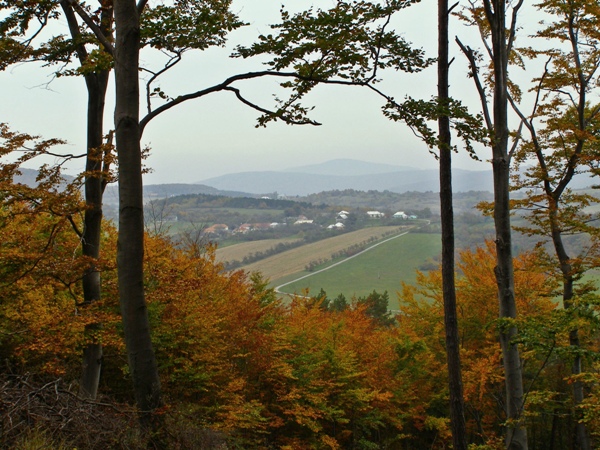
19 31
561 137
317 46
422 310
352 60
455 384
490 17
170 29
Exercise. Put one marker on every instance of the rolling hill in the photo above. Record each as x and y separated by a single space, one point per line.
348 174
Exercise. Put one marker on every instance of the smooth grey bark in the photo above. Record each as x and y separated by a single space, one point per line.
94 187
553 196
96 84
554 192
130 249
516 436
455 385
583 437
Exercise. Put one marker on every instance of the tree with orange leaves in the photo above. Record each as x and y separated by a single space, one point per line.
421 317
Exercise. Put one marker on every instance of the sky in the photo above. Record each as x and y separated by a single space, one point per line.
216 135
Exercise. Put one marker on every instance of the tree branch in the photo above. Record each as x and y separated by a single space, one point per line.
225 84
287 119
106 44
82 53
468 52
513 27
141 5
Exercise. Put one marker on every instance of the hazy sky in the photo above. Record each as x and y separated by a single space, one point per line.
217 135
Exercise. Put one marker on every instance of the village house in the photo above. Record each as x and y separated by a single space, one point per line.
243 228
217 228
375 214
303 221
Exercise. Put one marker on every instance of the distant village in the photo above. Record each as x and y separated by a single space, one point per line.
339 223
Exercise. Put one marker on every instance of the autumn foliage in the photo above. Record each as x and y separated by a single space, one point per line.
242 366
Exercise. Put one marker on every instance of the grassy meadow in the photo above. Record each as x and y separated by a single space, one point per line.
382 268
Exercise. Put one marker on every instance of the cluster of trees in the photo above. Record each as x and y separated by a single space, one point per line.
205 201
349 44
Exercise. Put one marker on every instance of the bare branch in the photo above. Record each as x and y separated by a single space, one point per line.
225 84
468 51
82 53
516 141
287 119
170 63
106 44
141 5
513 27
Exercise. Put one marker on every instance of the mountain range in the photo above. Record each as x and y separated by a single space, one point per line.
343 174
338 174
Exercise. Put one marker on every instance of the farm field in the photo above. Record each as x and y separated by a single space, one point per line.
382 268
294 261
238 251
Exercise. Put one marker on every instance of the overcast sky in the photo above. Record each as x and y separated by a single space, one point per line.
217 135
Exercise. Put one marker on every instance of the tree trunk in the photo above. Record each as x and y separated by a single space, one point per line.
130 250
583 437
457 415
92 354
516 437
96 84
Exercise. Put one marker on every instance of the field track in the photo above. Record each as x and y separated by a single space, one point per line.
295 260
371 247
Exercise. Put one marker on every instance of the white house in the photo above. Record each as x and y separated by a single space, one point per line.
375 214
338 226
303 221
400 215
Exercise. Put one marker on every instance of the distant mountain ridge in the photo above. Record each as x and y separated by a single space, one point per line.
348 174
348 167
340 174
154 191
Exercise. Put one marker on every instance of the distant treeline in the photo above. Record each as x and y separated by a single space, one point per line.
219 201
411 202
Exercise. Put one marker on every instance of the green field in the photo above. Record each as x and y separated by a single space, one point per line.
294 261
383 268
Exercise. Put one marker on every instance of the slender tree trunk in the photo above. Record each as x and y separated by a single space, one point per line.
92 354
457 415
96 84
130 250
516 437
583 437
